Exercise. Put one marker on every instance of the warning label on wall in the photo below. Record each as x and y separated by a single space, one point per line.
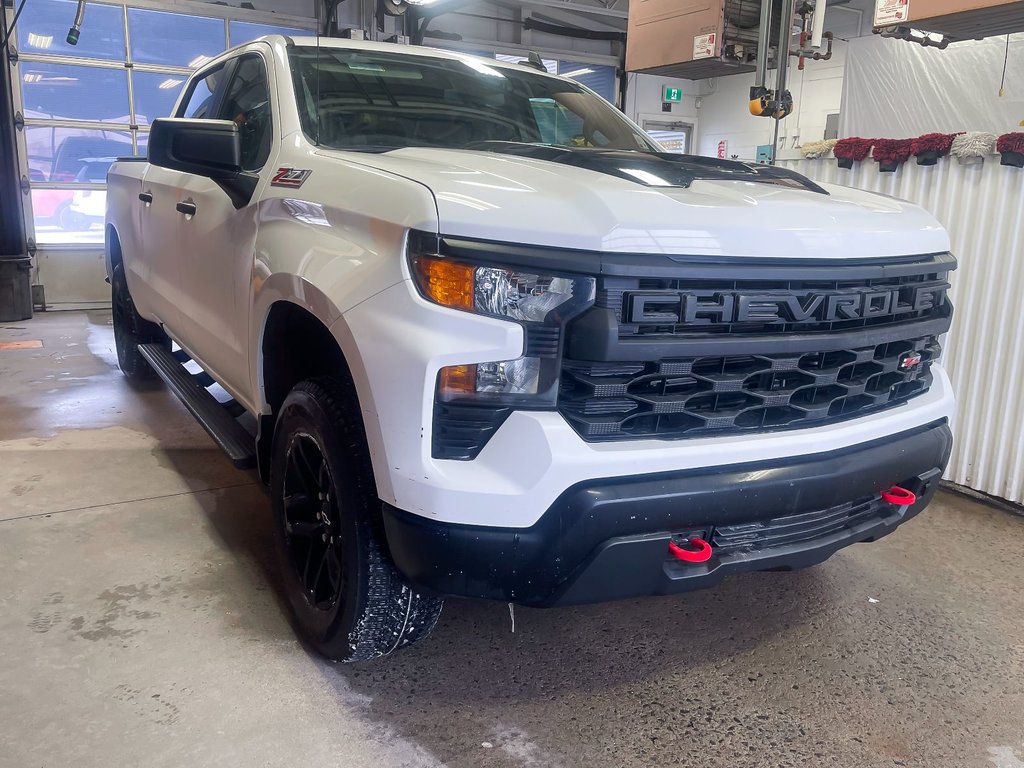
890 12
704 46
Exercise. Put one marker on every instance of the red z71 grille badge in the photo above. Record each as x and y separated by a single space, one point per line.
910 361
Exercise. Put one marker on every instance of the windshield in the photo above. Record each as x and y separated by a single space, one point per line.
378 101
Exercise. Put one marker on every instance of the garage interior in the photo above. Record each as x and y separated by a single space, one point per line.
143 618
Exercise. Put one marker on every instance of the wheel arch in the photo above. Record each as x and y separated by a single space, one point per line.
296 343
112 253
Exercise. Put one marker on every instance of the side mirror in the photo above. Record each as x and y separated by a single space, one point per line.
210 148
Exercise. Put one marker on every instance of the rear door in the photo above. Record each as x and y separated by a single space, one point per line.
161 223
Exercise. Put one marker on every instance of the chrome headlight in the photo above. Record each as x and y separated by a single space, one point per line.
519 295
495 291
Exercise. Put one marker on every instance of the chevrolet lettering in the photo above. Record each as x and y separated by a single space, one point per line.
708 307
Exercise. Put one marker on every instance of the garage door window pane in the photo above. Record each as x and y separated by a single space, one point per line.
155 95
43 29
69 92
74 154
244 31
67 216
174 39
50 206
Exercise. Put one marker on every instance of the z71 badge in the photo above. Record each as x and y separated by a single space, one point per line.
290 177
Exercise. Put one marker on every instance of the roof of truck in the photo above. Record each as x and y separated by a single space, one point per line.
410 50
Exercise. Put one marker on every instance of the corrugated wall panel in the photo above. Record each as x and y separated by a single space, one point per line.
983 209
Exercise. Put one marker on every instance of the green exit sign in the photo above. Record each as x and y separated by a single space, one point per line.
672 94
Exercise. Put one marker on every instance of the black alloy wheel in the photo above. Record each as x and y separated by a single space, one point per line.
312 523
348 599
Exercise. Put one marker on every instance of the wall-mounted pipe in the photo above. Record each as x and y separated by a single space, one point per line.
576 32
763 44
785 35
764 102
818 24
808 53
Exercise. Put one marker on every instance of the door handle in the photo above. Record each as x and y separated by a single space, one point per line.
146 197
187 207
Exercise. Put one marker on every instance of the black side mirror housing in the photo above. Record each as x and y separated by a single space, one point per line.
210 148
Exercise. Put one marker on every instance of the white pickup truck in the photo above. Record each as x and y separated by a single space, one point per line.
483 338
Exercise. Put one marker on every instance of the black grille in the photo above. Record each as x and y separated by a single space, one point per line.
647 307
793 529
673 398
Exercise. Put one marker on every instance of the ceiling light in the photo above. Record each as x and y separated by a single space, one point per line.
39 41
198 61
32 77
578 72
169 83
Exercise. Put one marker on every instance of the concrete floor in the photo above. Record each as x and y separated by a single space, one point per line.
141 625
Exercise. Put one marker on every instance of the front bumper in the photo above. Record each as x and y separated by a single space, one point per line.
608 539
401 342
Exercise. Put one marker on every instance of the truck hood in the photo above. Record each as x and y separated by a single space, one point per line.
501 197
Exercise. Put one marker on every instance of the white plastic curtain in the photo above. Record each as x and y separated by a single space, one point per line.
897 89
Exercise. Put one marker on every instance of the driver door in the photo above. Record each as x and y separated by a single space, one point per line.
219 241
158 282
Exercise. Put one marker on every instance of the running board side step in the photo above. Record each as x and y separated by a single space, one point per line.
211 414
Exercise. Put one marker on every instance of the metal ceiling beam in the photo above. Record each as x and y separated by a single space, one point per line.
571 7
473 45
573 19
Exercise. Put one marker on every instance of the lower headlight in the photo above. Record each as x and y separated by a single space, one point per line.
521 376
510 377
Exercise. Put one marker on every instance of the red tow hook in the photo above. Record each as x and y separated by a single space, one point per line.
901 497
701 554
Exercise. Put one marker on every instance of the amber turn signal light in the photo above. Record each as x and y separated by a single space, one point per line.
456 380
444 282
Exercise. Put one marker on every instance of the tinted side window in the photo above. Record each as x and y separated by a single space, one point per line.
201 96
247 104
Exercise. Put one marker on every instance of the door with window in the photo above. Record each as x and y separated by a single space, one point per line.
673 136
216 242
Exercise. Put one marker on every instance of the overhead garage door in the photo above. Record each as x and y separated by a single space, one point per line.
87 104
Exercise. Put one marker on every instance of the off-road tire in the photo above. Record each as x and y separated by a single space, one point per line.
130 330
374 610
